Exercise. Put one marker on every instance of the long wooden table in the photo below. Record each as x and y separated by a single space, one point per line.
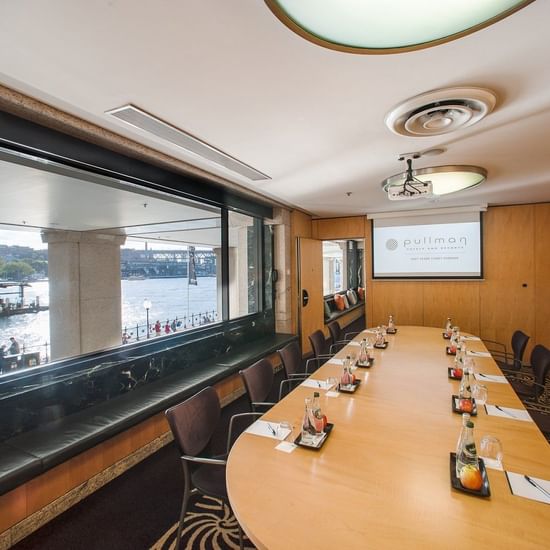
382 478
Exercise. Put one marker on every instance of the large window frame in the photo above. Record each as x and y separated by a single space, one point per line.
45 146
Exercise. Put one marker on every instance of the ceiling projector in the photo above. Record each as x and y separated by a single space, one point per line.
409 191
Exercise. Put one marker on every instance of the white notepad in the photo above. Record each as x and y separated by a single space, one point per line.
491 378
335 361
507 412
261 427
472 338
536 489
318 384
473 353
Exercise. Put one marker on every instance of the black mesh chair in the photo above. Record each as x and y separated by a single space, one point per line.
193 423
539 408
509 361
258 382
531 387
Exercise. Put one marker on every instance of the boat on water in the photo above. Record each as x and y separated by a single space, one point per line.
17 306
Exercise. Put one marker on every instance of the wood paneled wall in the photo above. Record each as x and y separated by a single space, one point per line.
515 293
300 226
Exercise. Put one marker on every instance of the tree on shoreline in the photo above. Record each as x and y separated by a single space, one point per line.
16 270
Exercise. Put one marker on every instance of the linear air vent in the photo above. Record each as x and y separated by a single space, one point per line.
148 123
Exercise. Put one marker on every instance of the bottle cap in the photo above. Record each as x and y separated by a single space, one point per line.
469 424
316 394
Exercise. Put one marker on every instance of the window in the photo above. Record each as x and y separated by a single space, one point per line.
244 264
342 265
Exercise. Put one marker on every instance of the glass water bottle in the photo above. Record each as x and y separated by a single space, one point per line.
448 327
465 391
363 352
466 453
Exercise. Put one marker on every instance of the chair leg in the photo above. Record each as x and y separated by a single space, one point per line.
184 503
241 543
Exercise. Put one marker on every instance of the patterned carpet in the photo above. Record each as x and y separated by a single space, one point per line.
208 526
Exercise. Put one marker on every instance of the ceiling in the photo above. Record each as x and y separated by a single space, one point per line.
311 118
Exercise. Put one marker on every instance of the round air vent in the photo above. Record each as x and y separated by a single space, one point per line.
441 111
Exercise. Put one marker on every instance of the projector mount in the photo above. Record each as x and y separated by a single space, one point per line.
412 187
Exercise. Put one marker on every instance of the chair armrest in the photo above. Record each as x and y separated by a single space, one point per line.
518 376
346 334
485 340
231 421
289 381
204 460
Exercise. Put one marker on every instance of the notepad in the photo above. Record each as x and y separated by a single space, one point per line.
472 338
318 384
267 429
535 489
491 378
473 353
507 412
353 343
335 361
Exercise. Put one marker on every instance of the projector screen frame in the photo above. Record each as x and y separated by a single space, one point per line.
463 278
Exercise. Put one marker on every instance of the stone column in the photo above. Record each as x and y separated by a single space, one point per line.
218 253
282 259
85 292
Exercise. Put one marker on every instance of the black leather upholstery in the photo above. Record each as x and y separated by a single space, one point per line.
24 456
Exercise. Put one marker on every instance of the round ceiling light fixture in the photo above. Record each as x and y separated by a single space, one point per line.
389 26
443 179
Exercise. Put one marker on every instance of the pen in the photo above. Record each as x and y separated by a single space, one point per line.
506 412
271 428
537 486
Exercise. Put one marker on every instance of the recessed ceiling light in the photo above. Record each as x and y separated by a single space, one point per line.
389 26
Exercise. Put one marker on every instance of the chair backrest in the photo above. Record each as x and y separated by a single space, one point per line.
291 358
540 362
317 340
519 343
193 422
258 380
335 331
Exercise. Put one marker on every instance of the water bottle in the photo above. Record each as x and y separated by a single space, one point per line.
448 327
308 427
317 415
466 453
391 324
363 352
465 391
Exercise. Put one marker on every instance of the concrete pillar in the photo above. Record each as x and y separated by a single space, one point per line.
85 293
238 264
282 260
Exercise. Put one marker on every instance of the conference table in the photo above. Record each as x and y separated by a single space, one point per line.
382 478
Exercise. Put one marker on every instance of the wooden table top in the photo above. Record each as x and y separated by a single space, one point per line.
382 478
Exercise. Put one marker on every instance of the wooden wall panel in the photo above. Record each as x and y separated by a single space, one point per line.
507 296
542 274
458 300
339 228
403 300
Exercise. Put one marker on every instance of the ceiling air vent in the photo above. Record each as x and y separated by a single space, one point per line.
148 123
441 111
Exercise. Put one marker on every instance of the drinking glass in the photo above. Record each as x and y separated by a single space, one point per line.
282 428
332 383
490 449
479 393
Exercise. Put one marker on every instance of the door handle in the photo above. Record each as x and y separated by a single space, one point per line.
305 298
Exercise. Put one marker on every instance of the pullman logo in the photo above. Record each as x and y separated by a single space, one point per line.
391 244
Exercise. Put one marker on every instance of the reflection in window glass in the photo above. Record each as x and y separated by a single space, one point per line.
244 264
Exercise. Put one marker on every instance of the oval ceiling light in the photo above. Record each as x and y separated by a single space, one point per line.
389 26
444 179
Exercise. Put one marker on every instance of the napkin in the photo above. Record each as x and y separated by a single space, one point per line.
286 447
319 384
507 412
261 427
491 378
353 343
521 487
332 394
335 361
478 353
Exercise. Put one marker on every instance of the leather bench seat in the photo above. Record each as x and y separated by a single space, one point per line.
26 455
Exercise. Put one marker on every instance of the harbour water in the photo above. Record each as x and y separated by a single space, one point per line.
169 300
